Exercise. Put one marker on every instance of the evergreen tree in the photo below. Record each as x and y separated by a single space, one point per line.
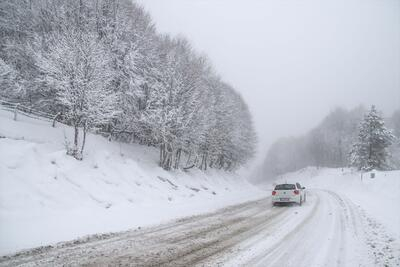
395 123
370 150
395 147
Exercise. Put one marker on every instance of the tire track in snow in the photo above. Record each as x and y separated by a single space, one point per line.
188 240
328 230
320 240
335 233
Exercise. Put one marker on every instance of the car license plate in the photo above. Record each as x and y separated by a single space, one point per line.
285 199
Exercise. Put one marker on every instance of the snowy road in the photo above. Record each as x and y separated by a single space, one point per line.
328 230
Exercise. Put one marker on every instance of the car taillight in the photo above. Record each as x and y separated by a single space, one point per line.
273 193
296 192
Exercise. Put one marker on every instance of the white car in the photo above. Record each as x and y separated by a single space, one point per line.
289 193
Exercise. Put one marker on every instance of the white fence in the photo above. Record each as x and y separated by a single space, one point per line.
29 111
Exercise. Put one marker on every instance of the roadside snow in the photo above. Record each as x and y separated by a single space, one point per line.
47 197
379 197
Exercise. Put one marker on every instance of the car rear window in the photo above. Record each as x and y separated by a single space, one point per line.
285 187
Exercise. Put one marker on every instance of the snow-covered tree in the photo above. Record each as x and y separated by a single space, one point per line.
102 64
395 123
75 66
370 151
394 149
8 80
327 145
330 142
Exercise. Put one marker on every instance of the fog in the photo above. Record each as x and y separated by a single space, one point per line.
294 61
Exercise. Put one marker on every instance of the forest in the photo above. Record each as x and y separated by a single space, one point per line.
102 67
337 142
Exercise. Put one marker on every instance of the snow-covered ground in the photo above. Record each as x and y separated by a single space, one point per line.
346 221
379 197
47 196
327 230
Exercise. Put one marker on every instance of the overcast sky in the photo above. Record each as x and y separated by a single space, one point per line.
294 60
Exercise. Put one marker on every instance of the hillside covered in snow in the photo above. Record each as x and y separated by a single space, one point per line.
47 196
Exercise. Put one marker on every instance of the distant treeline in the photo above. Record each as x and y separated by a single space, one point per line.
327 145
102 66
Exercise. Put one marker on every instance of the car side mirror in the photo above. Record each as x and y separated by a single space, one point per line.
303 187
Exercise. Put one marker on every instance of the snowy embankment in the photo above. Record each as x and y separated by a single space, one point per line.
47 196
379 197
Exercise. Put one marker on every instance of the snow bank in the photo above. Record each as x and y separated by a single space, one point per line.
379 197
47 196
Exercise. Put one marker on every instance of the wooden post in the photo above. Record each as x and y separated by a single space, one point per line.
55 118
15 111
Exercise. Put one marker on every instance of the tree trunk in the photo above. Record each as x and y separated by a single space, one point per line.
177 158
84 138
165 157
167 163
203 165
166 153
162 148
229 166
76 135
188 159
